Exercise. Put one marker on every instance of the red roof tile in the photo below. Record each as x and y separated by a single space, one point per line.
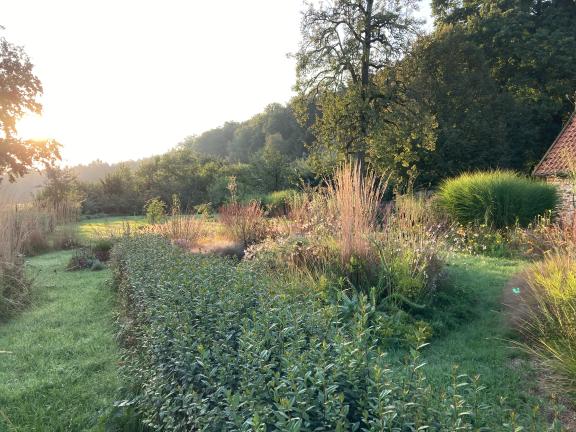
561 156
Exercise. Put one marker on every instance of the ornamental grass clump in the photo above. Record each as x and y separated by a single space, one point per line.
410 251
498 199
25 230
213 345
182 229
548 321
244 223
14 286
355 198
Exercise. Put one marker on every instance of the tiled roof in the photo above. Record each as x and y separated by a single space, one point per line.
561 157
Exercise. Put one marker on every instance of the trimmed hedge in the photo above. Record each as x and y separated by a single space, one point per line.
215 345
497 198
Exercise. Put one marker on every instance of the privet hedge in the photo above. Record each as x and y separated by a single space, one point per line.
213 345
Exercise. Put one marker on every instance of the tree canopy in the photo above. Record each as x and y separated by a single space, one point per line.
19 92
345 43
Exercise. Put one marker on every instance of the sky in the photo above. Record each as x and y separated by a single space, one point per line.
126 79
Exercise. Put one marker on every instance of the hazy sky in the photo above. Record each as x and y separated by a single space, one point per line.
125 79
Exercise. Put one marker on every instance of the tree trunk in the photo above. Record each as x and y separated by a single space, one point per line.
360 153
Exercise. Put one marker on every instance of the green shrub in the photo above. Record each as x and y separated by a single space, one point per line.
212 345
155 210
82 259
277 203
204 209
101 249
498 198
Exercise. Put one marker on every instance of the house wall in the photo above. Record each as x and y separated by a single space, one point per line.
567 188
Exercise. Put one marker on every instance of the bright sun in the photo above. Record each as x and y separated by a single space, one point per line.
33 126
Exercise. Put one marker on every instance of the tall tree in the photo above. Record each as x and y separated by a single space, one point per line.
344 44
60 187
19 90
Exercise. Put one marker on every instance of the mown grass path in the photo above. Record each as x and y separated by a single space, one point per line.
58 371
481 344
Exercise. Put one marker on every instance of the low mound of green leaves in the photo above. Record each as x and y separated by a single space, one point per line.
496 198
215 345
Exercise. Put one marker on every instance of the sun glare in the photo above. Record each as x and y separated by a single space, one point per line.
34 127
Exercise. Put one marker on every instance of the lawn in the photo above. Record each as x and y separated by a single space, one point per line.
58 360
109 226
481 344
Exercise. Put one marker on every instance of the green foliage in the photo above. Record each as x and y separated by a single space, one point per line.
277 203
15 287
155 211
101 249
116 193
20 90
204 209
83 259
495 75
498 198
480 239
222 347
97 265
342 51
238 141
60 188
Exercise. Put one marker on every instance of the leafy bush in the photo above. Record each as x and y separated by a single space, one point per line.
101 249
216 346
244 223
277 203
97 265
411 255
155 210
204 209
498 198
83 259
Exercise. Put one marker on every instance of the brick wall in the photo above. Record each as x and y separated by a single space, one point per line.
567 188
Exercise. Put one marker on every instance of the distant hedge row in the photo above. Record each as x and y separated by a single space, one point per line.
497 198
214 345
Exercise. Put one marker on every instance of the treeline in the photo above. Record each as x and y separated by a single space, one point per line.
30 184
264 154
490 87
